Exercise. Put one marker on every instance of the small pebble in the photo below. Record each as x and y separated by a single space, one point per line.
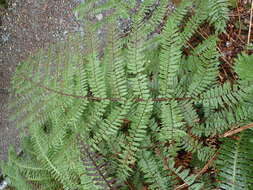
228 44
3 185
99 16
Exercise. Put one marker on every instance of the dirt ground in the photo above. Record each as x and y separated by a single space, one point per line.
26 26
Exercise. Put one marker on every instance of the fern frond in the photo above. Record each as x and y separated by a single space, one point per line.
172 120
95 168
15 178
114 64
194 145
139 84
222 96
109 128
169 58
235 163
189 113
159 13
191 26
136 64
94 70
153 172
204 71
98 109
136 136
49 161
96 79
54 85
243 67
181 11
184 175
218 14
217 122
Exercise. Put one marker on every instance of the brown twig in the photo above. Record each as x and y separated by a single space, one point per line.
250 23
237 130
202 171
239 18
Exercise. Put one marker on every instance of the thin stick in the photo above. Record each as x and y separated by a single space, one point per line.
202 171
250 23
239 17
238 130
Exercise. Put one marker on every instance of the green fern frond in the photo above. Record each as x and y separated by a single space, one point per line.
122 116
136 63
194 145
192 25
189 113
203 67
243 67
49 161
218 14
114 64
110 127
222 96
52 93
235 163
184 175
15 178
153 172
137 134
95 168
159 13
169 58
172 120
181 11
217 122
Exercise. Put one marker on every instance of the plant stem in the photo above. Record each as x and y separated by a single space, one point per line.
238 130
250 22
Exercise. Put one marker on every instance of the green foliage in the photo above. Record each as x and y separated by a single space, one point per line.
153 171
218 14
237 173
244 66
121 116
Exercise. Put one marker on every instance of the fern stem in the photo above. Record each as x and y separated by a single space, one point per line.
237 130
250 22
93 98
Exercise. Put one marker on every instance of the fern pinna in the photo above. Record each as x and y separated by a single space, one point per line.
120 116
